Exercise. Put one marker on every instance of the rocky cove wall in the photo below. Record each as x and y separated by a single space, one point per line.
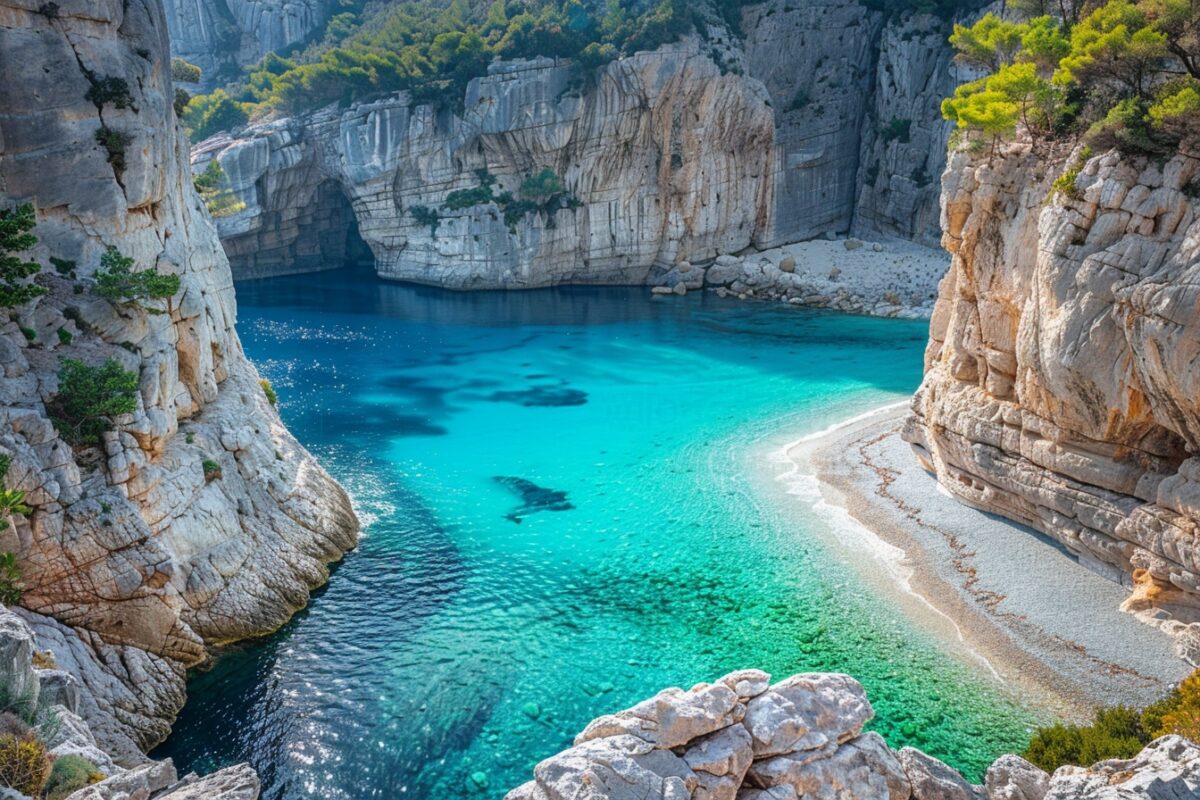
744 738
136 560
1062 384
822 120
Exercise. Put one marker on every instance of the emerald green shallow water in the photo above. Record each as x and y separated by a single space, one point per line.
633 541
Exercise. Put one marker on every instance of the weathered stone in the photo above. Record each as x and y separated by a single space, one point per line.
933 780
1013 778
1167 769
806 712
673 717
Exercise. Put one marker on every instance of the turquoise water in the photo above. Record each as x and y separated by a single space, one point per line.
567 506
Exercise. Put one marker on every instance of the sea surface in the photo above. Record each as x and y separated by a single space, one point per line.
567 506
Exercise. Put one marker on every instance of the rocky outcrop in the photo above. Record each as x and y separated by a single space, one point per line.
713 146
222 36
138 557
49 697
744 738
1061 387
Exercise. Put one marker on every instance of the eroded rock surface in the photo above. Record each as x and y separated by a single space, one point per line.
136 559
743 738
1061 386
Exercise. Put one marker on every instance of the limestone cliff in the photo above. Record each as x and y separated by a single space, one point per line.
137 558
1062 384
802 737
221 36
808 125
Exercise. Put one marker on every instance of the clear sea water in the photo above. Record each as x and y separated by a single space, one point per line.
567 506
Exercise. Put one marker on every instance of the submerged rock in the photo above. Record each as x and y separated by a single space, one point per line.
534 498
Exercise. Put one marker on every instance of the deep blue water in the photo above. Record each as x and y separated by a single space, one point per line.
564 512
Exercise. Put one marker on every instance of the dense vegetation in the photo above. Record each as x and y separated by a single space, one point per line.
89 397
1121 73
15 272
1119 732
214 189
433 49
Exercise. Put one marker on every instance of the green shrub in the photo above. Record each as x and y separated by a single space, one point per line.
424 215
64 336
115 143
269 391
63 266
212 470
116 281
1065 184
1119 732
109 90
70 773
180 103
184 71
29 333
213 186
10 579
1116 733
88 397
12 501
212 113
15 237
896 130
24 764
800 101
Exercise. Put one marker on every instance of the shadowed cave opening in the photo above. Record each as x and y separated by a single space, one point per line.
311 236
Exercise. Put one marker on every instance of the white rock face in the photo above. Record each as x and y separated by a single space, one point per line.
134 562
1061 388
675 157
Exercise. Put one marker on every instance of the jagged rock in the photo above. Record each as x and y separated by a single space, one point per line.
232 783
1013 778
133 564
1167 769
806 712
933 780
139 783
673 717
1060 387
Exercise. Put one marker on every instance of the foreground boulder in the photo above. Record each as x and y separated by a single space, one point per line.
743 738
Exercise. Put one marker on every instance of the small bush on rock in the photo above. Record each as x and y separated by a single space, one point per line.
15 237
116 281
269 391
70 773
24 764
10 579
88 397
212 470
115 143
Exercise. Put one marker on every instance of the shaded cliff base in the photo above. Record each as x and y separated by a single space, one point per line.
1000 594
883 278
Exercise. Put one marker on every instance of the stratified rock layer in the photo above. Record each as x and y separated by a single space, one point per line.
136 557
743 738
1062 388
808 125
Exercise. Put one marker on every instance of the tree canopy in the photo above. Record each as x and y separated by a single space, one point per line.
1122 73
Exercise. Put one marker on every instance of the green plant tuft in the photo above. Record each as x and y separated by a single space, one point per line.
68 774
24 764
88 397
269 391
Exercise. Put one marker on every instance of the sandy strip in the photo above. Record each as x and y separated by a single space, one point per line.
998 594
